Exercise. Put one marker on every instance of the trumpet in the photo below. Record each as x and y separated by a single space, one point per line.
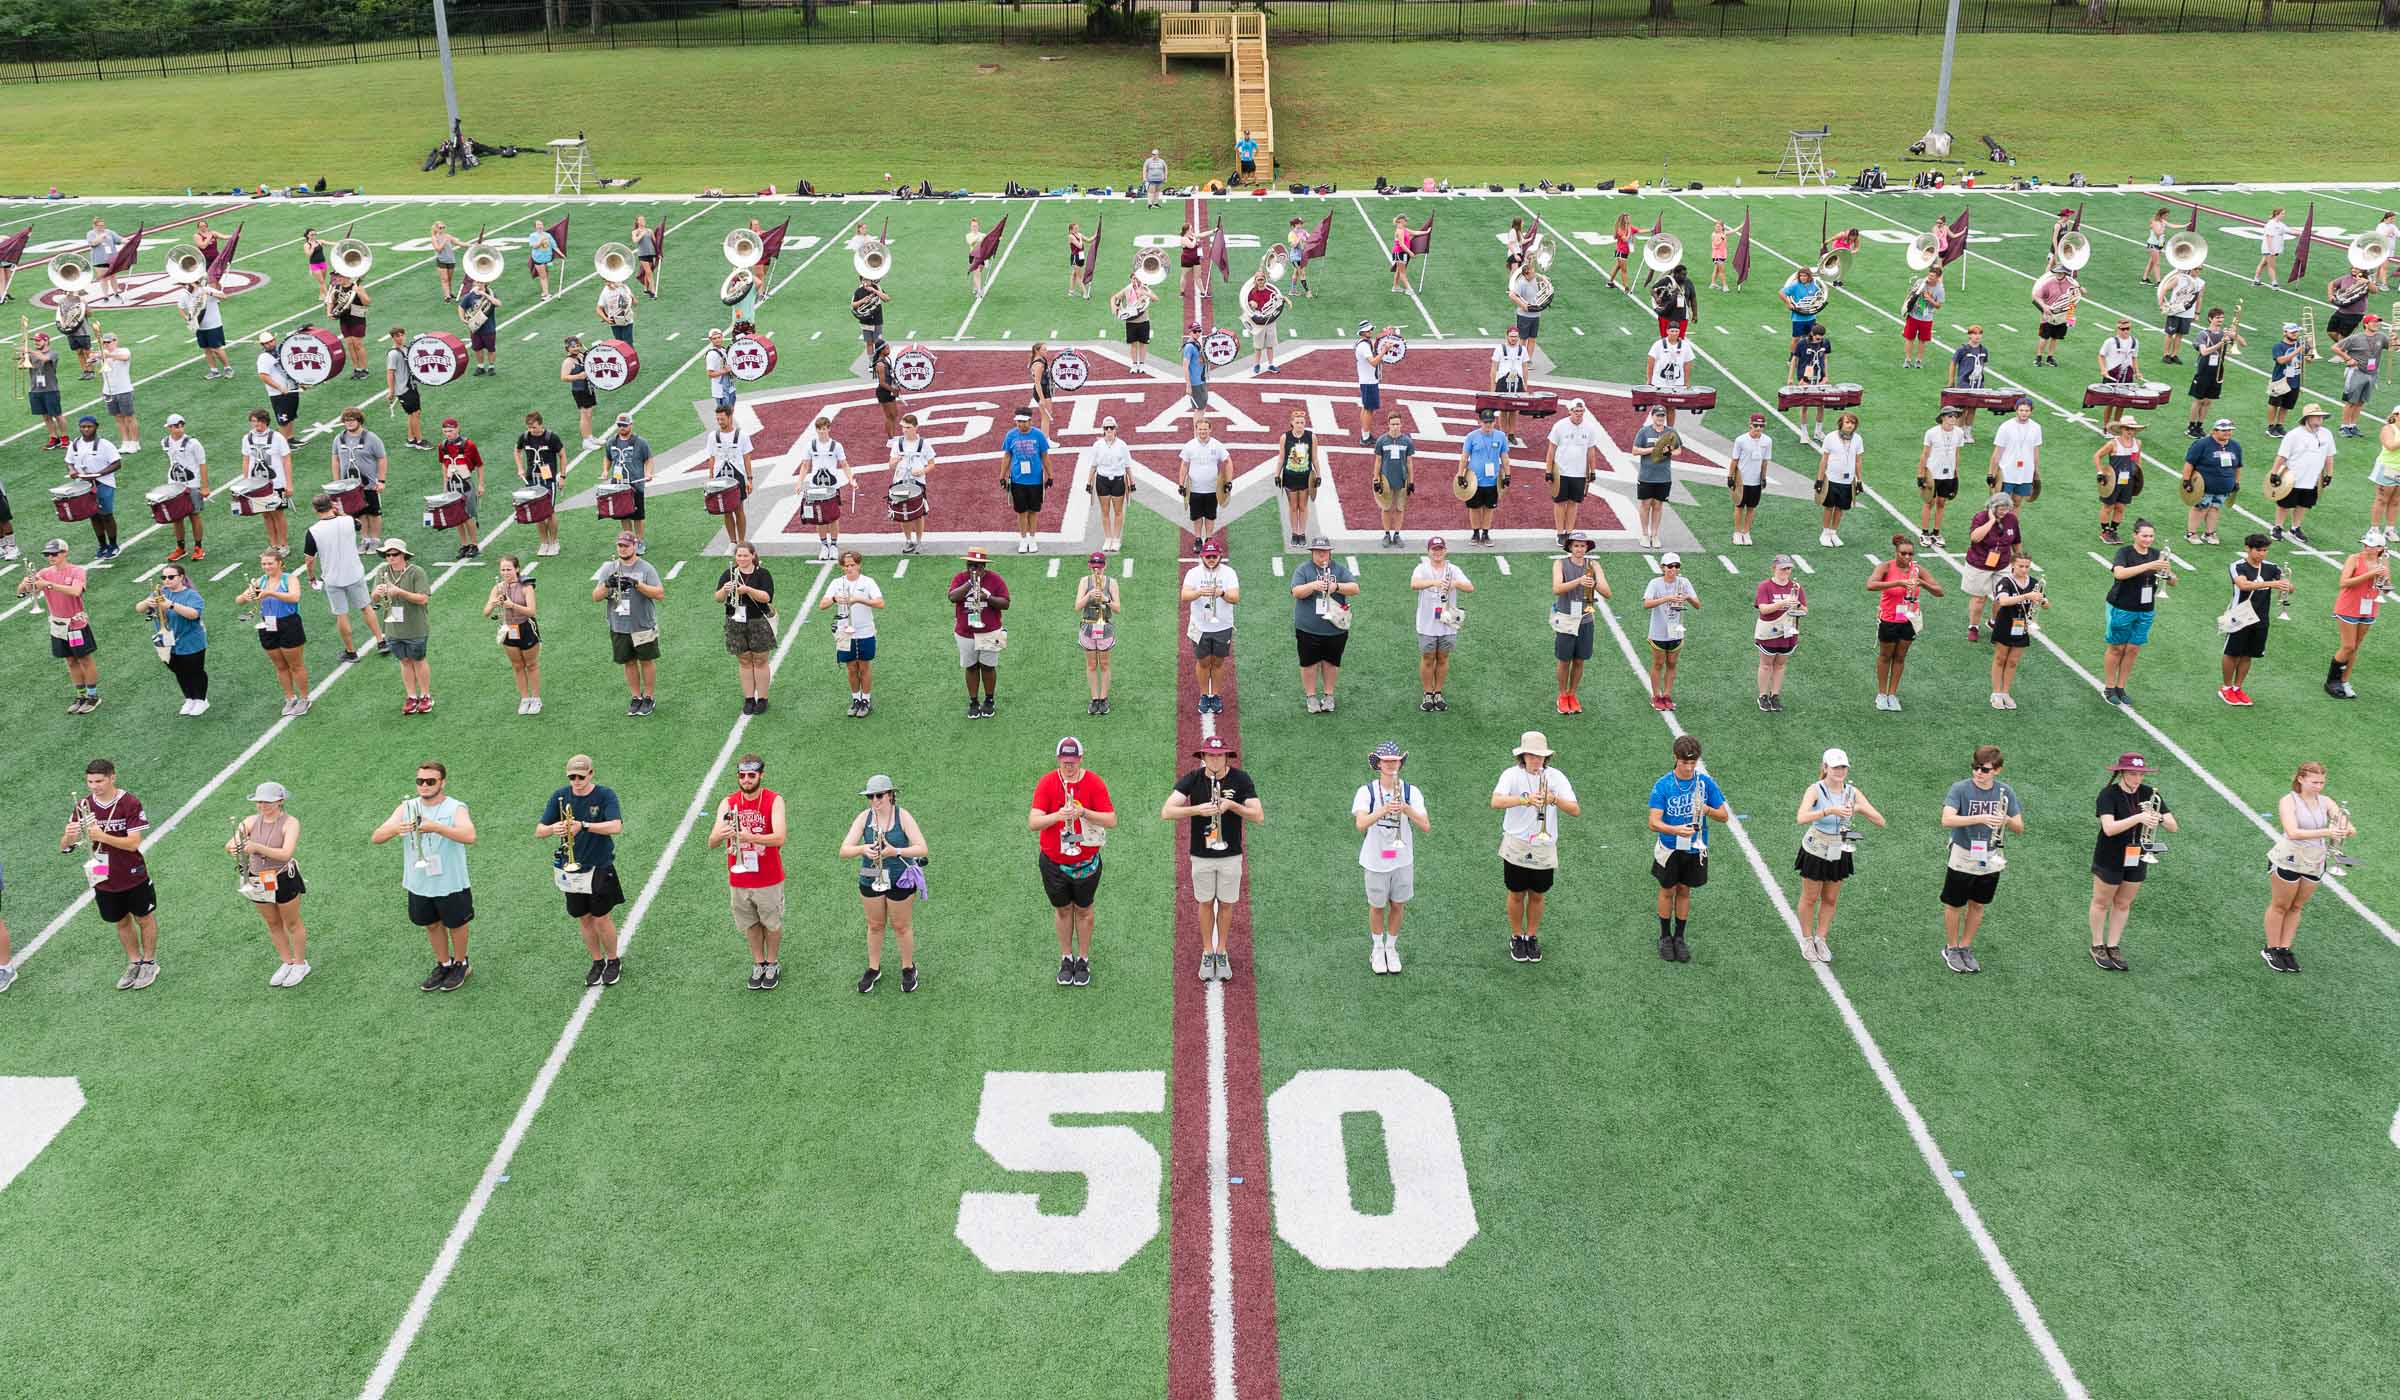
248 598
564 856
257 887
2336 863
413 840
1215 838
2152 840
83 825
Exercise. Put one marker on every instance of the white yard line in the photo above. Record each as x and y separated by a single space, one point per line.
1383 243
420 1307
1220 1193
991 281
671 573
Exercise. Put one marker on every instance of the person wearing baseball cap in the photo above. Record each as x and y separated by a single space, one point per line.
748 591
1576 587
1214 800
116 391
2303 456
752 828
1530 794
1437 582
2131 815
283 391
585 817
1827 842
1321 592
1653 474
625 460
1483 459
1666 598
461 463
2291 356
1937 474
1682 802
1072 814
1391 811
978 599
1213 589
61 583
187 467
631 589
889 847
2217 460
1098 600
403 593
1747 477
1567 461
263 846
2214 342
2361 352
42 394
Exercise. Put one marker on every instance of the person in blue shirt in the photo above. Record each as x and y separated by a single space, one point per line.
1027 454
540 248
176 609
1484 456
1793 293
1195 369
2217 459
1247 149
585 818
1681 805
1811 363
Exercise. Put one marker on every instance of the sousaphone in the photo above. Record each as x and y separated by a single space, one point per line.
614 262
351 258
483 262
186 264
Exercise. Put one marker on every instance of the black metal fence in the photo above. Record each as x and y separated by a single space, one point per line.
340 37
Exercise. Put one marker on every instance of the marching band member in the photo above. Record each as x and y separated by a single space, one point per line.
979 597
1747 475
1390 811
202 305
1213 589
72 639
1716 258
889 847
2014 594
461 463
1296 245
1320 620
1403 248
1216 799
276 592
1831 803
1079 272
750 825
2306 453
2139 569
1898 584
187 467
175 609
2120 361
2178 299
101 245
645 254
1098 600
911 466
2115 461
2156 241
2361 351
2347 296
1193 261
108 822
1653 474
1512 358
1811 362
1437 583
1780 604
2270 246
1977 812
1665 598
400 387
1937 462
1108 463
358 455
74 317
1257 294
625 460
1202 464
1522 289
718 366
730 458
1154 178
479 312
1673 298
1368 361
586 817
579 388
887 386
1301 466
1803 283
824 471
1924 302
264 844
313 248
1025 474
2060 226
1576 587
404 592
1841 467
116 391
615 310
2218 460
2283 381
2017 451
93 458
2056 321
1681 803
1132 302
631 588
512 603
1668 365
541 248
540 454
435 830
1071 814
2126 805
346 300
1967 365
1528 792
2298 861
1395 451
1039 389
2387 228
330 549
1568 459
2384 513
41 389
1622 237
975 244
2253 578
445 258
2366 576
1483 454
854 598
1994 536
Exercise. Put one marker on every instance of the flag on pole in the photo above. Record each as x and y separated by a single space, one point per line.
1091 251
1658 225
13 249
2077 225
2308 229
1955 247
771 241
1321 238
558 235
119 265
1824 229
658 239
223 257
1741 251
1216 250
1421 240
989 245
2192 224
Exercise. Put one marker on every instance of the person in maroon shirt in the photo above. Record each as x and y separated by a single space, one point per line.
107 824
978 597
1992 540
1072 815
462 471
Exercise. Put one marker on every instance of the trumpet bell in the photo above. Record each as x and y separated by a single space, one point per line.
2370 251
71 272
2186 251
1923 253
873 263
1150 268
483 262
744 248
351 258
1662 252
614 262
186 264
2074 250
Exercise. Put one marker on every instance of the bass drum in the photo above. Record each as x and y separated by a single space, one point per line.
436 358
750 358
311 356
611 364
1069 371
913 369
1392 349
1220 348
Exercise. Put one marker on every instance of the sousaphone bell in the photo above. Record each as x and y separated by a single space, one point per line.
186 264
71 272
614 262
484 263
2186 251
1150 267
1923 252
1662 253
351 258
872 263
744 249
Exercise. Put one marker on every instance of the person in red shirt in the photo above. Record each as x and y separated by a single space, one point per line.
462 471
750 826
107 826
978 597
1072 816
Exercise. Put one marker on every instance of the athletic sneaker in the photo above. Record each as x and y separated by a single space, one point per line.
1516 947
1208 966
1083 972
433 979
758 977
868 979
7 975
1224 967
2241 697
2100 958
610 970
2274 963
1066 972
2229 695
282 971
1966 957
299 974
774 977
1824 950
908 979
2291 963
2116 961
1533 948
1683 950
1391 956
1950 960
591 978
458 974
149 973
1375 961
134 969
1666 947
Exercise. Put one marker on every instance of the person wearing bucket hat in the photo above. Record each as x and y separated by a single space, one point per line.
1071 817
1827 844
978 599
2366 577
1390 811
61 584
403 592
1098 600
890 849
1577 585
2130 815
2116 462
2304 456
264 845
1530 795
1214 590
1321 592
585 818
1682 802
1214 801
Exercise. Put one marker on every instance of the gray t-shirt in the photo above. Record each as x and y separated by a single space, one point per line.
395 361
1666 620
2364 348
1645 469
1154 170
358 455
44 374
1392 454
629 609
628 457
1304 610
1968 800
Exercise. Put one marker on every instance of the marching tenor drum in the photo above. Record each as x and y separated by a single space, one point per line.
1997 400
349 495
614 501
172 502
1819 396
76 500
611 365
531 505
311 355
446 511
2122 395
1694 397
252 496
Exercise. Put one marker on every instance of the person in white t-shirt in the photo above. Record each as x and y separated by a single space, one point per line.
2120 359
1437 583
1391 811
1201 476
116 391
93 458
187 467
1574 445
2303 453
336 572
1368 362
824 470
2270 246
1212 588
1840 470
910 464
2017 452
1512 364
1108 465
201 305
730 455
854 598
1747 475
1670 358
1531 794
1937 475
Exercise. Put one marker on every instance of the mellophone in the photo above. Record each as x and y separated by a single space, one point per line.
1819 396
1997 400
1530 404
1695 398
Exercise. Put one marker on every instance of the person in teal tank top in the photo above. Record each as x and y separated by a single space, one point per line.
890 850
435 830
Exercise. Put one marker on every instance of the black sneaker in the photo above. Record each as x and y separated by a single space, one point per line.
758 977
773 979
1533 949
1683 950
1966 960
433 979
1516 947
609 971
1763 707
457 976
974 709
1066 972
908 979
2116 961
1440 702
868 979
633 707
592 977
2302 536
1083 972
2100 958
1666 947
349 656
2291 960
649 705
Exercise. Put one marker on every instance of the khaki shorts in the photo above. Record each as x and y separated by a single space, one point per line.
1977 582
1217 879
762 906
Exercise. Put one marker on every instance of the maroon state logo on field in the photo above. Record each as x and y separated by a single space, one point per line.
978 388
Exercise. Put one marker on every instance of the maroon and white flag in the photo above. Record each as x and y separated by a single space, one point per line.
771 241
1420 241
13 248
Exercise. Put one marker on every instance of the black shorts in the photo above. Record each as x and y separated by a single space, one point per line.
1063 891
892 894
1137 332
1522 879
409 402
2286 400
1294 481
2207 388
1652 490
2119 495
1686 868
584 398
1753 490
2299 499
1573 646
1319 648
115 906
883 395
289 886
354 328
1570 488
448 910
1839 494
1485 498
1895 632
2249 642
1671 644
284 635
607 893
370 503
65 650
2343 323
1829 872
1945 488
1960 888
285 407
1108 485
1204 505
2054 330
1529 327
1025 500
528 636
2120 874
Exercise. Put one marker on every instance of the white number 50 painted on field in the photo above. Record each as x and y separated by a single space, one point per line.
1432 1216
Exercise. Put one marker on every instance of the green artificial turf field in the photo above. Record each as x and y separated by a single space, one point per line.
1701 1179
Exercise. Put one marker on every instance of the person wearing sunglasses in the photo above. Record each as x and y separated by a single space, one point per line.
1979 812
435 831
176 609
586 817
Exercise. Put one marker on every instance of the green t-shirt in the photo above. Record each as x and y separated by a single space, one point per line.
402 619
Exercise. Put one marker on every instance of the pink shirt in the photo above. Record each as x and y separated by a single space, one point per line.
1716 245
1889 601
61 604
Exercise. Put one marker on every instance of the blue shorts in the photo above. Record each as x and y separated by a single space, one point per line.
2128 629
212 338
725 397
2211 500
1800 325
43 402
2017 488
1370 397
108 498
860 649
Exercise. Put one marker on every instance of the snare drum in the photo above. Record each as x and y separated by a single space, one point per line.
446 511
311 356
76 500
349 495
906 502
254 497
725 496
532 505
172 502
615 502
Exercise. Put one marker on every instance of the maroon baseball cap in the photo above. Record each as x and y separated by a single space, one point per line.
1211 548
1213 744
1437 542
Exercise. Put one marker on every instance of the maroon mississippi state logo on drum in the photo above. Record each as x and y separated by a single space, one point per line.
436 358
611 365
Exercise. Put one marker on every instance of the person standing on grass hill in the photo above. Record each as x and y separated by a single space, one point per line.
1071 817
2139 569
625 459
175 612
1390 811
2253 578
1573 447
1780 604
854 599
358 455
1321 590
512 603
461 463
2218 460
1154 178
276 595
1665 598
1395 451
1531 794
1897 583
1200 475
404 594
435 830
2298 861
2212 345
1827 844
1681 803
1576 587
1437 583
2362 351
106 826
1098 600
750 826
1979 812
330 549
1993 538
2306 455
400 388
72 639
631 589
93 458
890 850
2014 594
1368 361
265 843
586 817
2366 577
1216 799
1247 150
2129 810
187 467
1213 589
978 598
1025 453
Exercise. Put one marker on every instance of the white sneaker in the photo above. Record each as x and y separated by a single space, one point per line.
1208 966
1824 953
298 971
1808 948
524 706
537 706
1996 701
199 707
1375 959
2008 702
1895 703
126 447
185 708
1834 539
282 972
1391 954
